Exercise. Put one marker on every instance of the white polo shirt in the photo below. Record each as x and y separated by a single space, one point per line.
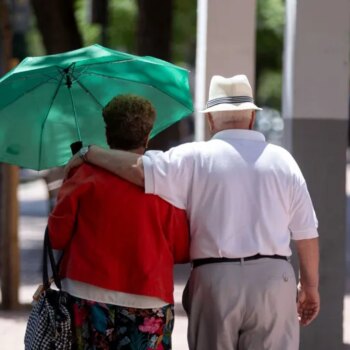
242 195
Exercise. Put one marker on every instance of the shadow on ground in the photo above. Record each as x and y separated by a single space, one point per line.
34 207
181 273
19 315
31 266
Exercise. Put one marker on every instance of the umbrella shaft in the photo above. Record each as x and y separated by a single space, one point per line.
75 113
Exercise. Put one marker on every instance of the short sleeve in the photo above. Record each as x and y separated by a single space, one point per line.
303 221
169 174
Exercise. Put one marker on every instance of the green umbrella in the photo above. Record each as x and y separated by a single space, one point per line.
49 102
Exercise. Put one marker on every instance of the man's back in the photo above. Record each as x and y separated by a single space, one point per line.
243 195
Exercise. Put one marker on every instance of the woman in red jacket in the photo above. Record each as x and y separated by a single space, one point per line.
119 245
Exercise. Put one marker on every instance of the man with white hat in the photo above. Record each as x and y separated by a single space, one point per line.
245 200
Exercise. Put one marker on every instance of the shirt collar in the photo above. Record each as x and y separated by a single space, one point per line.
239 134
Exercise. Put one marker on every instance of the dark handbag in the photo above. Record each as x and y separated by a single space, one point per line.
49 325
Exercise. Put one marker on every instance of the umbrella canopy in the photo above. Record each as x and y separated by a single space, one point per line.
49 102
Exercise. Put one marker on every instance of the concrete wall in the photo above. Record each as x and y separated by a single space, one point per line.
315 108
225 46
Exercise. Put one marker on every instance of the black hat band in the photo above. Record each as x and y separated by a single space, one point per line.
230 100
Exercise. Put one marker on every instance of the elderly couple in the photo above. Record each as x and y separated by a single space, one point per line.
230 205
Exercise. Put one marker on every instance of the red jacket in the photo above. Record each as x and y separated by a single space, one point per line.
117 237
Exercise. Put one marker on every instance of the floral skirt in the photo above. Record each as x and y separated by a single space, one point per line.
103 326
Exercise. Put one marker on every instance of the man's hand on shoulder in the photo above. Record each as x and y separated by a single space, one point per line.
75 161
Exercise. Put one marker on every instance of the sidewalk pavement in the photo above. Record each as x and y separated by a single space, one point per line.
32 222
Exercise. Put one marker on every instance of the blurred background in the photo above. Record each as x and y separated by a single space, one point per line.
164 29
277 59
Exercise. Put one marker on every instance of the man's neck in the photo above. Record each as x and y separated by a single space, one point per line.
232 127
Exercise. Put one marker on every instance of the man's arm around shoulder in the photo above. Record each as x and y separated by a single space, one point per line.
125 164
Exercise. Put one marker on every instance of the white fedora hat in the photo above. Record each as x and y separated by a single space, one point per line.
230 94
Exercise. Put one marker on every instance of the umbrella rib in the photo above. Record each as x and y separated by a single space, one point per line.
22 75
113 61
44 121
27 92
88 66
137 59
88 92
134 81
17 78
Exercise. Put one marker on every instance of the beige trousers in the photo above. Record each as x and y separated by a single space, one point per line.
242 306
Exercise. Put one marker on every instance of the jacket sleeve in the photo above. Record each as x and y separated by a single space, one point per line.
63 217
179 235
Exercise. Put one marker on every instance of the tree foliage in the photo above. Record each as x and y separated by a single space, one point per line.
184 32
122 35
269 50
122 27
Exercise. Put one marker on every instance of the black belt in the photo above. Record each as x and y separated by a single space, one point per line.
204 261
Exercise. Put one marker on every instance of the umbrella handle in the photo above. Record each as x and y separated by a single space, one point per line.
75 146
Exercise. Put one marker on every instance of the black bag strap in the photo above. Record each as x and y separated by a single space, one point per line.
48 253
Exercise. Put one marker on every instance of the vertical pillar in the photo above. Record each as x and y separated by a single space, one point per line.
9 251
225 46
315 108
10 257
